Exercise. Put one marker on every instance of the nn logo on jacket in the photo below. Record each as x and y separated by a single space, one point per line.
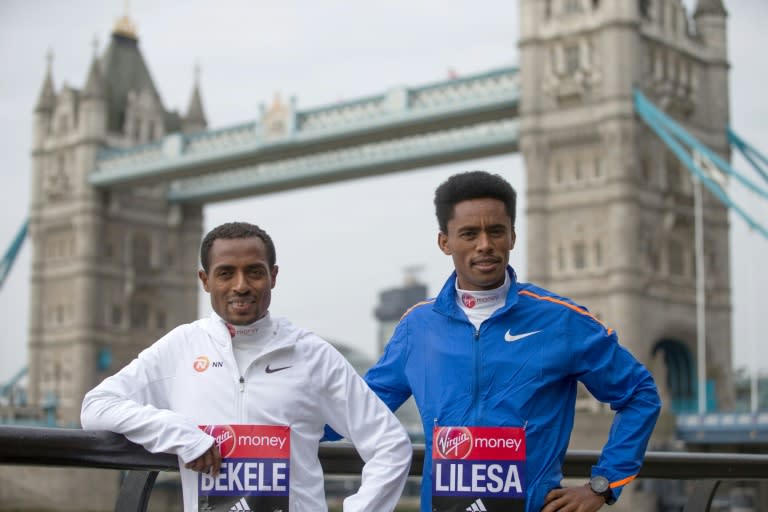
202 363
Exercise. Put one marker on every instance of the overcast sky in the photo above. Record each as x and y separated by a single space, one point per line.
339 245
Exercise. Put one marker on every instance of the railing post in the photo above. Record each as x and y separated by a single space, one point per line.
701 497
135 491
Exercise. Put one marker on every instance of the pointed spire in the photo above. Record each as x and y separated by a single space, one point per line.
195 117
714 7
94 84
124 26
47 98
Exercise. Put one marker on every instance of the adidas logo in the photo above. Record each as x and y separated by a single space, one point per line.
240 506
477 506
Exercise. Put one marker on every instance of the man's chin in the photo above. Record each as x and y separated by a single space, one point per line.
242 319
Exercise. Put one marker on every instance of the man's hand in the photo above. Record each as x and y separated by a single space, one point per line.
572 499
209 462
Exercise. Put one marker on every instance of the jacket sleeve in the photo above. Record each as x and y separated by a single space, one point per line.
356 413
134 402
387 378
613 375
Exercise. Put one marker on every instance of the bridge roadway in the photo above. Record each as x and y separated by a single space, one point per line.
457 119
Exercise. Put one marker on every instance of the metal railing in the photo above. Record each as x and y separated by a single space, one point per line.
38 446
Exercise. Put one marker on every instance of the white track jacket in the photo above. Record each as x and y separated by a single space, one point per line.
162 396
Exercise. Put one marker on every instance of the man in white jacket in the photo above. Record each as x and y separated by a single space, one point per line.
242 397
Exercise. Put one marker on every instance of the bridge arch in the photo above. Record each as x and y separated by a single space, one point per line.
680 375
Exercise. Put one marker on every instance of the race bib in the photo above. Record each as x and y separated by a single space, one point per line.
255 469
478 469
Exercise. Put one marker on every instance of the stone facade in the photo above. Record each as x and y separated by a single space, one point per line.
110 268
610 209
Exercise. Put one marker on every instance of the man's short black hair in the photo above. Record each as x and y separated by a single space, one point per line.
233 230
472 185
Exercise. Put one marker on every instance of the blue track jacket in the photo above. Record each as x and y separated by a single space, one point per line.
460 376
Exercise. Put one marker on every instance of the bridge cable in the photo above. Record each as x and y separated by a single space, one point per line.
702 162
12 252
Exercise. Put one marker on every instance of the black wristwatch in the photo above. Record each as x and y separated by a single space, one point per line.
601 486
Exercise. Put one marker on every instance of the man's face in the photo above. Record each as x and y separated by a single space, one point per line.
479 238
239 279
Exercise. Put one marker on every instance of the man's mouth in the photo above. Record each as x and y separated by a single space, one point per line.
485 263
241 302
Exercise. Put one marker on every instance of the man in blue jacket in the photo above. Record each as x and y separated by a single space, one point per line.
493 365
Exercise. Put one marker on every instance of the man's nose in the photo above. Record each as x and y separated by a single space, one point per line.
240 283
483 242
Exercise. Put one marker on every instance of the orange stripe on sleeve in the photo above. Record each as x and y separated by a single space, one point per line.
569 306
619 483
415 306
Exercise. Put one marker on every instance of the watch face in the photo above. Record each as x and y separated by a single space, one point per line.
599 484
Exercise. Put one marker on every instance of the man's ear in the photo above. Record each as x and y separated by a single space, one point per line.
442 243
203 279
513 239
274 276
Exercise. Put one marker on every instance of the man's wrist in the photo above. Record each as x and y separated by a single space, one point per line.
601 487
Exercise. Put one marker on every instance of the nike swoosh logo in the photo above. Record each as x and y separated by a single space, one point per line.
273 370
509 338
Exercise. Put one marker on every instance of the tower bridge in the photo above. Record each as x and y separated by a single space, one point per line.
119 184
405 128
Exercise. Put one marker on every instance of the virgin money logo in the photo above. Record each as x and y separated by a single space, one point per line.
201 364
453 442
224 436
468 300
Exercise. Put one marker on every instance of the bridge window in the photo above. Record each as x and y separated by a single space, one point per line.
676 258
139 315
571 58
560 258
644 6
160 319
572 6
577 171
547 9
115 315
579 255
141 251
598 249
598 171
558 173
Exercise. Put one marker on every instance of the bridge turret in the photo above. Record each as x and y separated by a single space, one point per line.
194 120
710 17
93 105
44 107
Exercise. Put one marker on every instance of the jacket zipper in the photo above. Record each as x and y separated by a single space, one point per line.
476 388
241 399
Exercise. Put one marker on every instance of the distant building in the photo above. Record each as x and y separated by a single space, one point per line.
394 302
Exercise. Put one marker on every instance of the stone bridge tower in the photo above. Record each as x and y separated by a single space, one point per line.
110 269
610 209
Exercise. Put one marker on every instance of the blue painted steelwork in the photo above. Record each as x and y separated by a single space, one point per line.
749 152
8 386
468 117
723 428
674 136
12 252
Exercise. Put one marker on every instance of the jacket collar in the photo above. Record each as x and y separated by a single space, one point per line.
286 333
445 302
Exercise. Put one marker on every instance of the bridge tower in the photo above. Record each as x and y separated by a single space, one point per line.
610 209
110 269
